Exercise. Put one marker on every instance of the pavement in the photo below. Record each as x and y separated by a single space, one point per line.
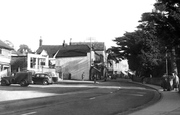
169 104
75 82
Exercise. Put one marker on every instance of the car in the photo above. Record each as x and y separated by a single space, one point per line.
42 78
22 78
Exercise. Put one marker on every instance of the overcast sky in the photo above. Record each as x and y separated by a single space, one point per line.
24 21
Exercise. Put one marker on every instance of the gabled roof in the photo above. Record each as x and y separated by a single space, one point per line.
97 46
51 49
73 51
5 46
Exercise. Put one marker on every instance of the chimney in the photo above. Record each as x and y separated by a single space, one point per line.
40 42
70 41
64 43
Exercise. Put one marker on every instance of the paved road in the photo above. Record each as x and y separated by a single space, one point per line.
105 98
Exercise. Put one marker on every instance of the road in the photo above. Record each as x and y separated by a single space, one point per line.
106 98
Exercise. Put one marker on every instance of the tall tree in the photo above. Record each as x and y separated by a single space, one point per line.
157 35
24 49
164 23
141 49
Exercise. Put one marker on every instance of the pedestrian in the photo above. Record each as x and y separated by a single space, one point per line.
175 81
171 81
83 76
165 82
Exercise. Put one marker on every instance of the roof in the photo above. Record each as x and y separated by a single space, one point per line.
64 51
5 46
51 49
73 51
97 46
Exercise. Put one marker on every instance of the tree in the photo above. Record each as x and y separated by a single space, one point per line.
24 49
18 63
164 23
157 35
140 49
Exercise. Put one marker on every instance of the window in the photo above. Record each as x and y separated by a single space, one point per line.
37 75
33 62
42 75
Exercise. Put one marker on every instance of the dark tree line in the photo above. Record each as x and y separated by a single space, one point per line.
156 40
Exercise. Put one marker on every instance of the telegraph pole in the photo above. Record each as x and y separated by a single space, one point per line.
90 49
166 61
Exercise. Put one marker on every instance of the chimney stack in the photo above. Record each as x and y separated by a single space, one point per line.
40 42
70 41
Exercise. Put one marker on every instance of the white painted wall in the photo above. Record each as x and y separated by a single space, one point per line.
119 67
74 65
39 58
5 56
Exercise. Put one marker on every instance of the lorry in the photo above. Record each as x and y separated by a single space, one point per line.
22 78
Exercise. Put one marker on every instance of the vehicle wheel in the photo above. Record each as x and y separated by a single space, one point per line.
3 82
45 82
8 84
24 83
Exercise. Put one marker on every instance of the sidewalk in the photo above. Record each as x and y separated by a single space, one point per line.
74 82
169 104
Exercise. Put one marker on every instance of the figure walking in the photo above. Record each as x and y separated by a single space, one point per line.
175 81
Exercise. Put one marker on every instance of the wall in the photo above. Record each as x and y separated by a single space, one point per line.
37 67
5 56
119 67
75 66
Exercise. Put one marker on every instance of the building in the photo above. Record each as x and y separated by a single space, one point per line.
5 58
73 61
30 62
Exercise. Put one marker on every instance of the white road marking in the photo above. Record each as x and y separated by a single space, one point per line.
111 92
92 98
29 113
136 95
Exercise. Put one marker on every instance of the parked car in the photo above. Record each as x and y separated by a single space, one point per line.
22 78
42 78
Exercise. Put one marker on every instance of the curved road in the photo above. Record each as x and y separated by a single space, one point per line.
114 97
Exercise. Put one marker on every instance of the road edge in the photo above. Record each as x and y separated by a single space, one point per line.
157 97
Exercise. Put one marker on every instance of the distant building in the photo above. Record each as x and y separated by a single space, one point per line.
68 60
5 58
97 48
72 61
30 62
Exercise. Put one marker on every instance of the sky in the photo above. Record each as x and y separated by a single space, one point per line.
26 21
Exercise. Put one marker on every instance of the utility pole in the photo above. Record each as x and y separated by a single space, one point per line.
90 55
166 61
166 64
70 41
90 49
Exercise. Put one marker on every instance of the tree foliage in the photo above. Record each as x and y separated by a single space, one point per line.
164 22
18 63
158 32
140 48
24 49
